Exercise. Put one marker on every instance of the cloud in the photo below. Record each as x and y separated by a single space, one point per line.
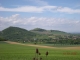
39 9
28 9
22 9
41 22
68 10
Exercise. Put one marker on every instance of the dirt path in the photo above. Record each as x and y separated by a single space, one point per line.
68 48
29 44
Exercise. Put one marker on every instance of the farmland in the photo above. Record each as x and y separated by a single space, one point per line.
19 51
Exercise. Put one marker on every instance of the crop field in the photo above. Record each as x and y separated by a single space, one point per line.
20 51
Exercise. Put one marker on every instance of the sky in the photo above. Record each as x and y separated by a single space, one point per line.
63 15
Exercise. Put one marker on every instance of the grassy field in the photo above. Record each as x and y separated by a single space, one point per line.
61 45
25 52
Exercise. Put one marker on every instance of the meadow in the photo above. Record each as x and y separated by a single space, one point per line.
25 52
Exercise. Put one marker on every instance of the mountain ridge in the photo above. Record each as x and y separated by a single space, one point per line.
19 34
44 31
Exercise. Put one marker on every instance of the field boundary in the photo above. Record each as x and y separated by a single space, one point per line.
40 46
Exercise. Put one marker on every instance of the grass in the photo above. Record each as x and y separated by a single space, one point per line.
20 52
60 45
55 45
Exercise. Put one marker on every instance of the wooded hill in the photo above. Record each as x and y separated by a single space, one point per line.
16 33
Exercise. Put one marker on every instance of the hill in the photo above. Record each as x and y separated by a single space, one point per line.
16 34
38 29
43 31
38 35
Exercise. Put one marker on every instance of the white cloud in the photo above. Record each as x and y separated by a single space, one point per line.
22 9
37 9
42 22
14 16
68 10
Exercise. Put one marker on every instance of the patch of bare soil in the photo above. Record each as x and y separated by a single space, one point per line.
68 48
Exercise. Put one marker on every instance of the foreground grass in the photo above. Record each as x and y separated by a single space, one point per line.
19 52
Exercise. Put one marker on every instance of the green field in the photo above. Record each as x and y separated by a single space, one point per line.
22 52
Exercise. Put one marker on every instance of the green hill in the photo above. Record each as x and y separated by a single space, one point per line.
38 35
16 34
20 34
43 31
38 29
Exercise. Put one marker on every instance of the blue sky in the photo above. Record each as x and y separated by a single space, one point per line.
61 15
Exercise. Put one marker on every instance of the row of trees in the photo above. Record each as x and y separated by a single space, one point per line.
2 39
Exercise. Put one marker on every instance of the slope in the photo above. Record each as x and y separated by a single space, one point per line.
16 34
43 31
